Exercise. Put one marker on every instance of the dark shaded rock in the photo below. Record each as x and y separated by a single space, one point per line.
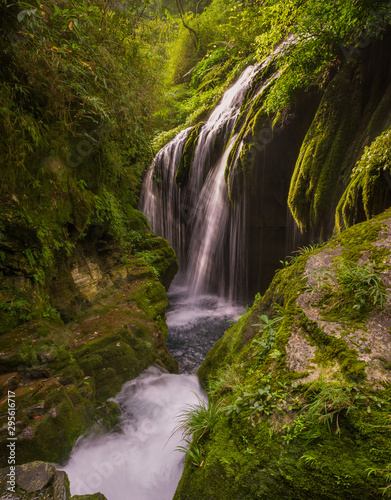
38 480
34 476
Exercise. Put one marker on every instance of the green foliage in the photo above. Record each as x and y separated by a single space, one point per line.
72 73
18 308
193 452
267 342
229 34
198 419
291 259
385 474
228 379
350 288
322 33
327 401
266 400
212 62
150 258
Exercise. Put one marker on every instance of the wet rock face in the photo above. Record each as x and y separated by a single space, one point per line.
266 193
38 480
95 269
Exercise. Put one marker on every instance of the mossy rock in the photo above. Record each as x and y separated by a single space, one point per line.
95 496
305 404
113 360
369 190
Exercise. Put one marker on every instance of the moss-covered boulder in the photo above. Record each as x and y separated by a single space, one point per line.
370 187
303 381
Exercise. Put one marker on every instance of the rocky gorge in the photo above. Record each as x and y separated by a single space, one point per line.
289 207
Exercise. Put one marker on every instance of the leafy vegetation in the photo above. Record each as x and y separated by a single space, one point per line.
231 34
266 343
265 401
350 288
195 422
193 452
325 403
71 72
198 419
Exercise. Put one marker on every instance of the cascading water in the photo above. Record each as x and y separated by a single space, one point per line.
161 199
139 461
198 221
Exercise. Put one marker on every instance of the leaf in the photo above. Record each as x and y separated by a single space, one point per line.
22 15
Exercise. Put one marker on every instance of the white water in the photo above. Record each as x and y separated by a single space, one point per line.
161 199
197 220
139 462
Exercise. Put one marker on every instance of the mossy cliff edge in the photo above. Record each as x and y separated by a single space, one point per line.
304 388
63 372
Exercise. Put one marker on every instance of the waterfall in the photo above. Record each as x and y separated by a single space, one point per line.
160 198
206 231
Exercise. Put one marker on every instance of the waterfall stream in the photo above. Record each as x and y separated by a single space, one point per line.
205 230
139 461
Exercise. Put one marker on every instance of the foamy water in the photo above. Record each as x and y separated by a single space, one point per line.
139 461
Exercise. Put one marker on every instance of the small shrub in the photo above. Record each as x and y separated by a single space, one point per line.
267 342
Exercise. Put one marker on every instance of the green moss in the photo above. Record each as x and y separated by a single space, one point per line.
66 414
164 259
322 161
367 189
184 168
115 358
331 348
357 240
95 496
